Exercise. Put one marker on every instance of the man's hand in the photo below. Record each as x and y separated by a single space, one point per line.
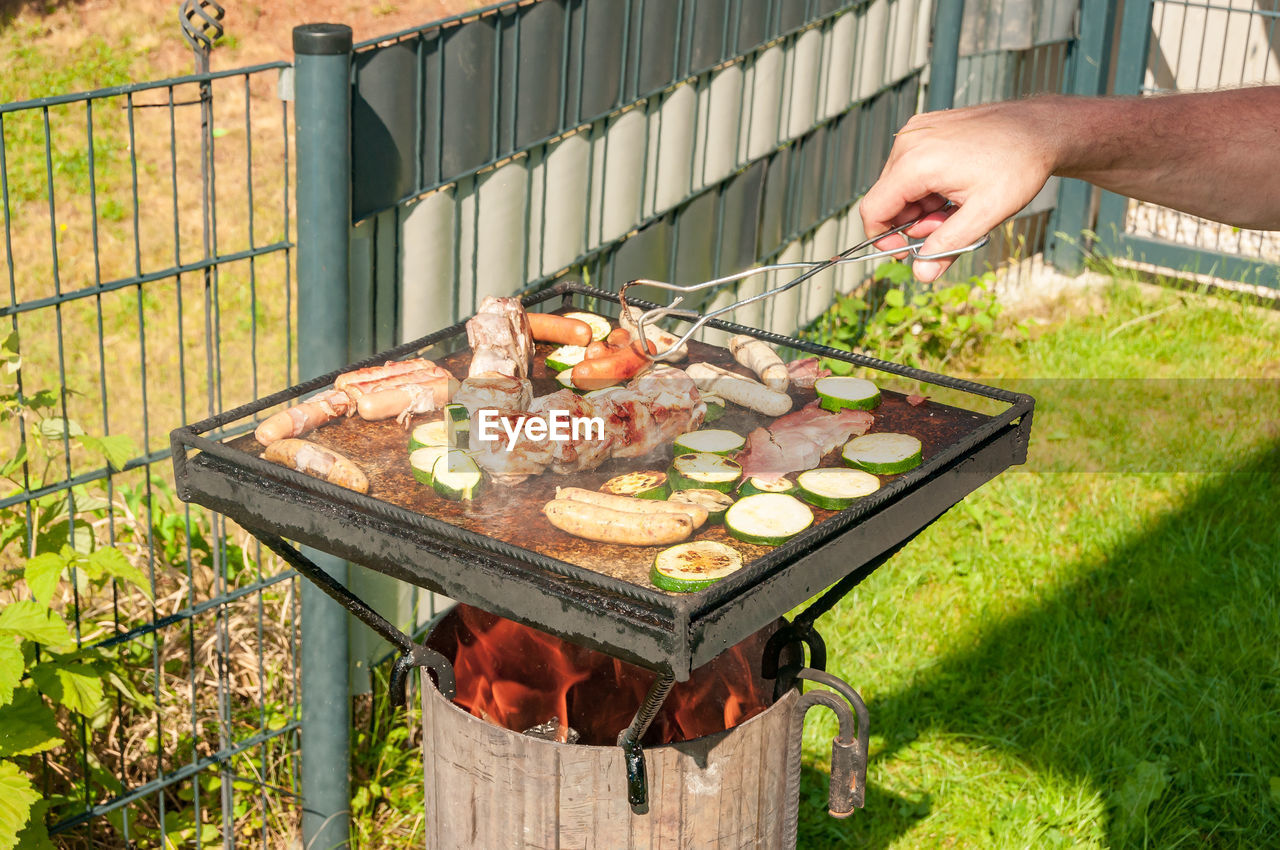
1211 154
989 161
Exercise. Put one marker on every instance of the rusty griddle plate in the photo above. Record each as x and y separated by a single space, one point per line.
514 514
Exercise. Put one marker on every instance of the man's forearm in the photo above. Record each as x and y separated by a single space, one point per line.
1213 154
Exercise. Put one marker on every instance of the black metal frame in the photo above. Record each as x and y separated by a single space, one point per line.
666 633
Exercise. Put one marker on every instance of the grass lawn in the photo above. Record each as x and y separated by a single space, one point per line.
1084 658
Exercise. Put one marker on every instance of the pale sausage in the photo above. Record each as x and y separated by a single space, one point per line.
605 525
319 462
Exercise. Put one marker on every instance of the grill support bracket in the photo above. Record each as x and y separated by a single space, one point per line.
412 653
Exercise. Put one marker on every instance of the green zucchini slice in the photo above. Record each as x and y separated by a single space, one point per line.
713 440
641 485
769 519
459 422
713 502
703 470
761 484
835 489
430 434
566 357
456 476
836 393
691 566
600 326
423 459
883 454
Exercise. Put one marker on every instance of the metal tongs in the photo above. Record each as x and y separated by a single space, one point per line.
912 248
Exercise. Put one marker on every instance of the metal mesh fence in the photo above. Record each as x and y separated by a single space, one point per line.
1175 46
141 296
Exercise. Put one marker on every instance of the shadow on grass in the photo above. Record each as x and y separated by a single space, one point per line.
1155 676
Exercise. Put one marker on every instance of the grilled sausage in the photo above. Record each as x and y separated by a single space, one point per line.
629 504
390 369
737 389
606 525
761 359
627 319
548 327
303 418
317 461
600 372
413 398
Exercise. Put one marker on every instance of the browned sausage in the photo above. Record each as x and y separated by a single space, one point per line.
422 397
303 418
547 327
317 461
600 372
379 373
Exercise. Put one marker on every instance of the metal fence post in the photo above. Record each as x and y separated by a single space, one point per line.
1087 75
944 57
322 57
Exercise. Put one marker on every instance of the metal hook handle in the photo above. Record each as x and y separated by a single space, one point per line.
812 268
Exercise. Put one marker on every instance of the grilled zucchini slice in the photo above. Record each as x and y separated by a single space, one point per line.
691 566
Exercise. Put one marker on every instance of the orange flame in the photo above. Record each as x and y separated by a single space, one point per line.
518 677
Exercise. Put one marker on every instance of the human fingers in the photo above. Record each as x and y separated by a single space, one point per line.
965 225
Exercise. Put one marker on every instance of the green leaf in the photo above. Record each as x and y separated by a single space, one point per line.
1275 790
35 836
72 684
920 300
42 573
14 463
54 428
9 346
895 298
1145 784
116 449
983 320
894 272
27 725
11 664
16 799
896 314
42 400
36 622
55 536
963 322
113 562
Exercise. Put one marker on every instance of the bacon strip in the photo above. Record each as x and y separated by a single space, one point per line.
804 373
799 440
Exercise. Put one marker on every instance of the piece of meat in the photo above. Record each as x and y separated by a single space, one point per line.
590 449
628 422
916 400
766 455
429 375
799 440
805 372
497 391
495 346
509 462
825 430
514 310
387 370
675 405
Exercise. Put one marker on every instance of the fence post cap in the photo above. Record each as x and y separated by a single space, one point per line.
322 39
